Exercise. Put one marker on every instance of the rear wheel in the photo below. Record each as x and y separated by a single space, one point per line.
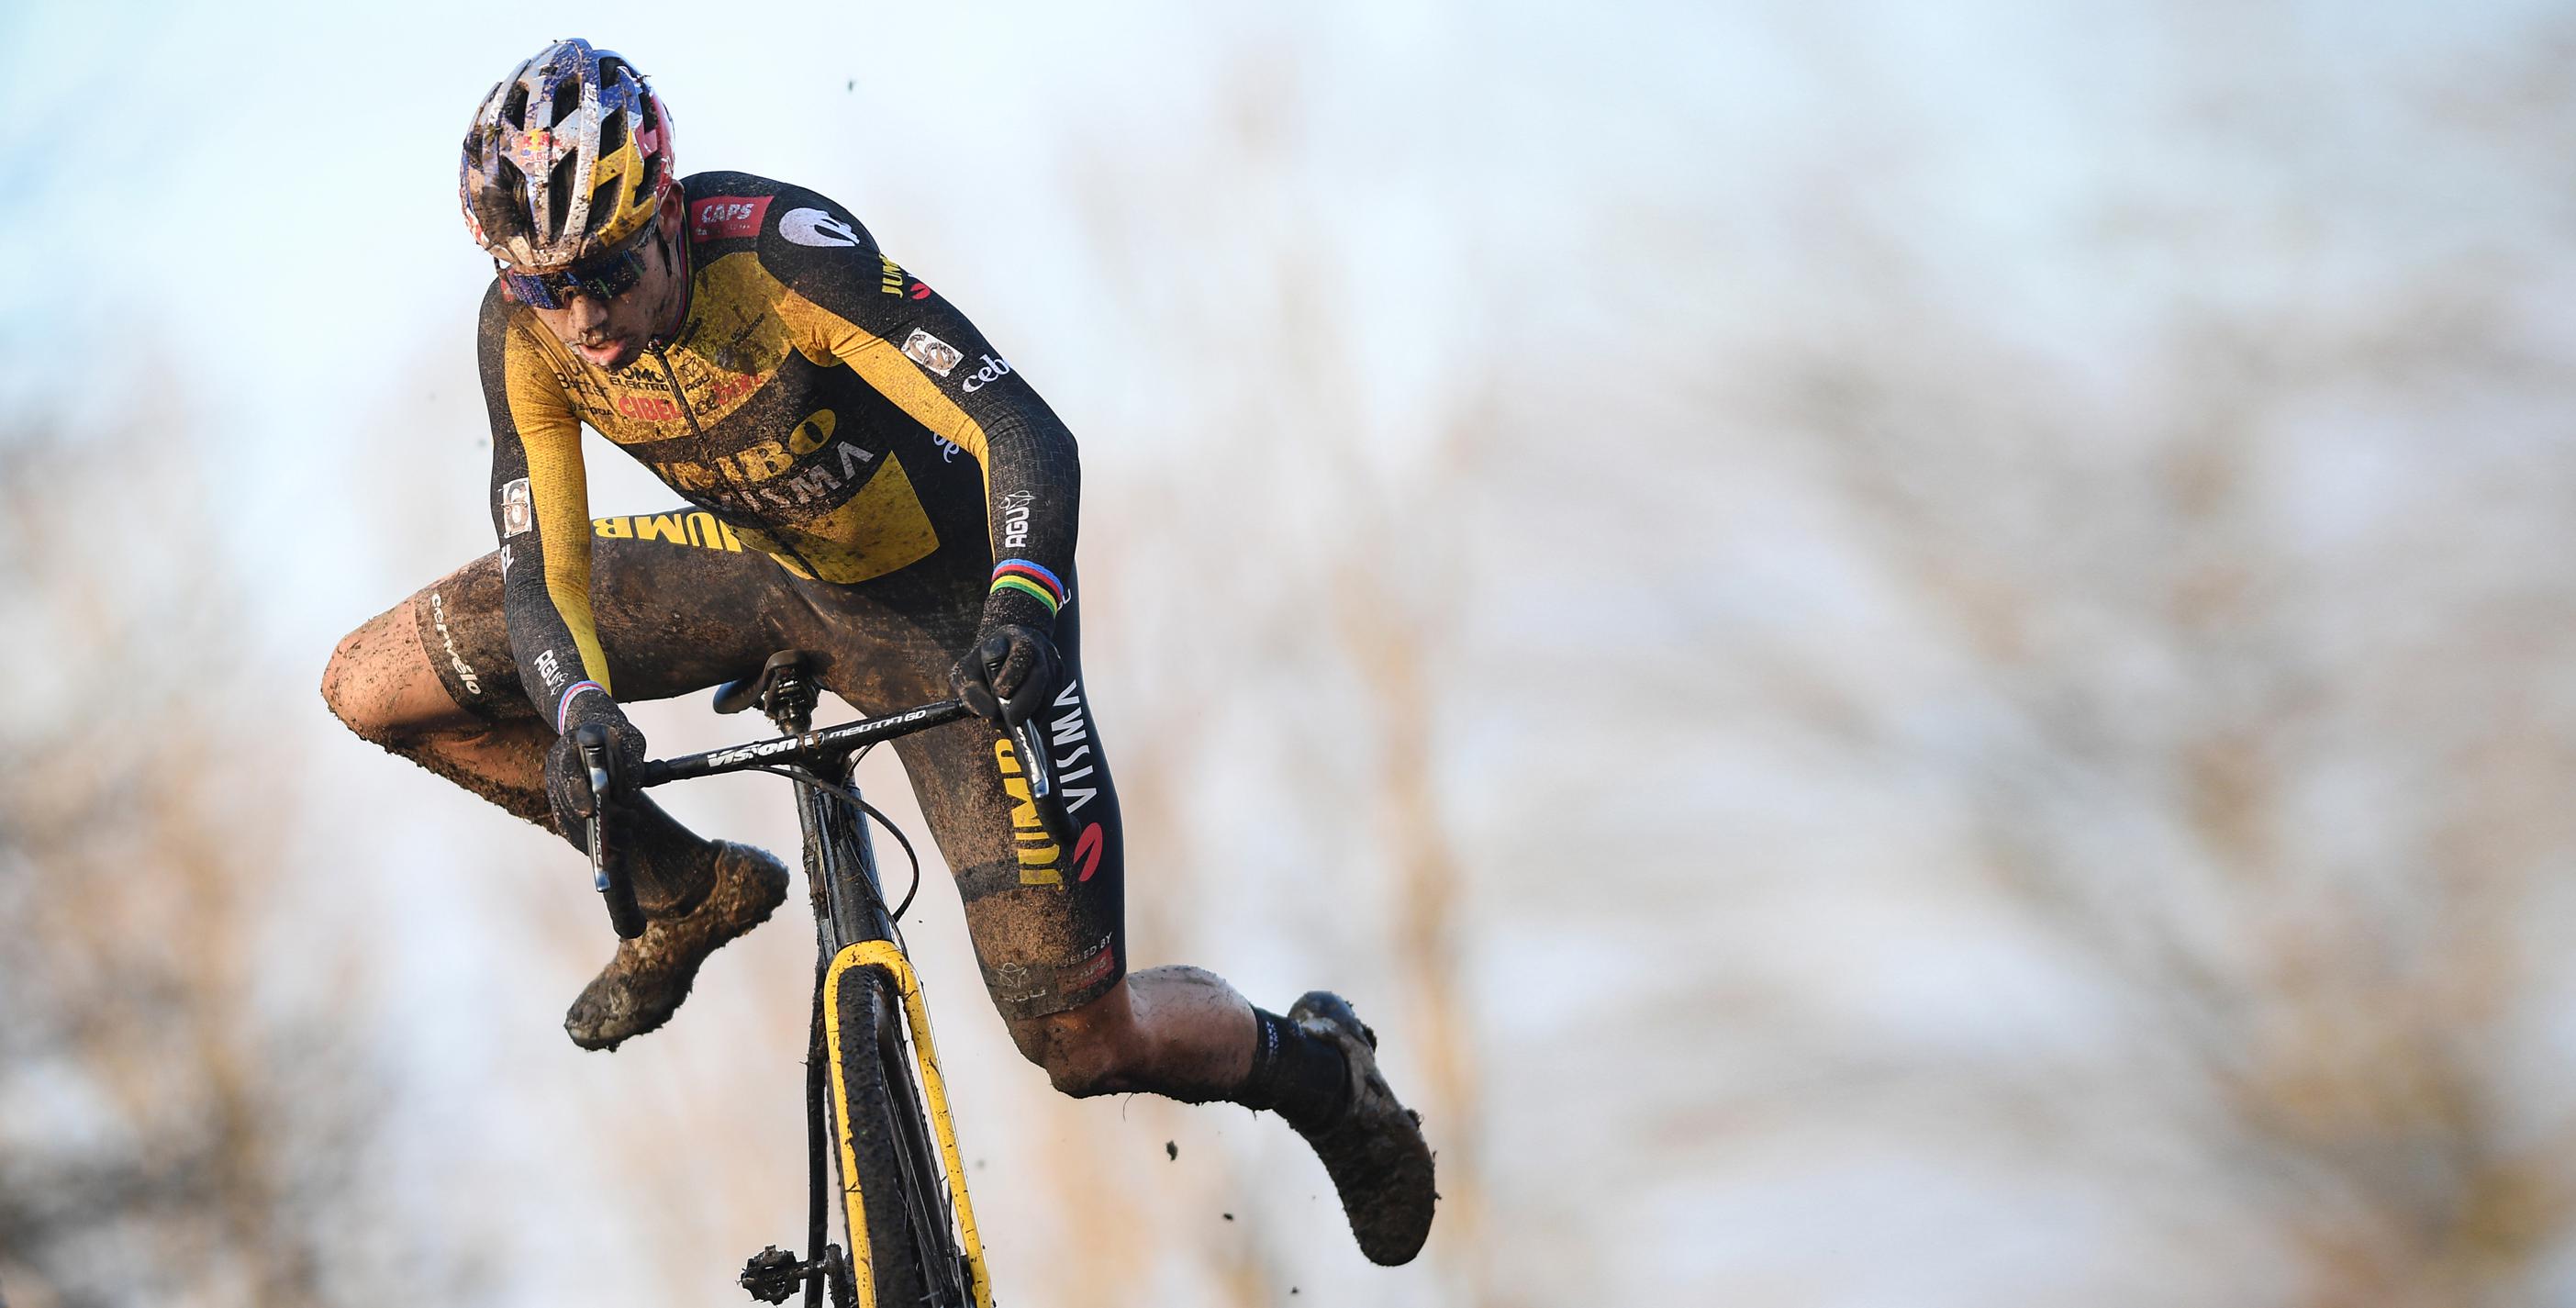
890 1177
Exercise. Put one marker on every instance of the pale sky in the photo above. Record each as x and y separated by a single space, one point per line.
249 211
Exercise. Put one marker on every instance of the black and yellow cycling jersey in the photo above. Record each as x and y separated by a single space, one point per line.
818 402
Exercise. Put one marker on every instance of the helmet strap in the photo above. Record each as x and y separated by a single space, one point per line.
678 254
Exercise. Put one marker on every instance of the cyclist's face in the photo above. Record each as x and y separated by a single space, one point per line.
612 332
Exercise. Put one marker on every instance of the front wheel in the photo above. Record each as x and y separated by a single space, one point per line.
891 1185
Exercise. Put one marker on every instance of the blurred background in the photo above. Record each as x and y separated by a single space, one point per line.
1911 655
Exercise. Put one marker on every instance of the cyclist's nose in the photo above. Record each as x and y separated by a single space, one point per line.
588 311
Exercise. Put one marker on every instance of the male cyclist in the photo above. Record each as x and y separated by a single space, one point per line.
865 476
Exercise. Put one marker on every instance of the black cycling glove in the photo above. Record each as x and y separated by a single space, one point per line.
1010 674
568 777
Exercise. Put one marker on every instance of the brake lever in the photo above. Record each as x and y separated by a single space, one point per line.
1032 743
607 871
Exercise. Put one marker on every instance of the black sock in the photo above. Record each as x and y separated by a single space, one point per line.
1303 1079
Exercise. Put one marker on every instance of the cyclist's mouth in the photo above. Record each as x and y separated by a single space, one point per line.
605 353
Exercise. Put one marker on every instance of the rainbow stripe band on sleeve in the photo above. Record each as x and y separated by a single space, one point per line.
1022 575
564 704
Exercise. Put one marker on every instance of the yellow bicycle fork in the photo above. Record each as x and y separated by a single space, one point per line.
883 954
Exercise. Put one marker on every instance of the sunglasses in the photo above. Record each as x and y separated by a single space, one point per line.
603 276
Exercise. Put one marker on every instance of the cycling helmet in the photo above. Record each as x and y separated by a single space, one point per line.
570 154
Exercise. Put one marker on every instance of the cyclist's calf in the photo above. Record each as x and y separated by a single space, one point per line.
1181 1032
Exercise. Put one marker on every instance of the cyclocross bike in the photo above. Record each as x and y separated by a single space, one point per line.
876 1109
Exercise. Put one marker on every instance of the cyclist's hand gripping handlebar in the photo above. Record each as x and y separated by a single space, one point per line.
607 866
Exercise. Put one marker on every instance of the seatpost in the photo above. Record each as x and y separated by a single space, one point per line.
791 700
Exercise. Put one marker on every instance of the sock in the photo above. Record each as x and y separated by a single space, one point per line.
1303 1079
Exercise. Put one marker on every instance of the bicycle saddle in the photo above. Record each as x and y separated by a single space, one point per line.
735 696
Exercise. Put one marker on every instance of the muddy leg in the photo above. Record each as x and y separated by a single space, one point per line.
382 684
1180 1032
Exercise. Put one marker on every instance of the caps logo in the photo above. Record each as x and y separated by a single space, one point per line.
727 217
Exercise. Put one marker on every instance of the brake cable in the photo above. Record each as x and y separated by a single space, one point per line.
866 810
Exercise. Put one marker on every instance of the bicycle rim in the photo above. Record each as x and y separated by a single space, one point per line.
890 1184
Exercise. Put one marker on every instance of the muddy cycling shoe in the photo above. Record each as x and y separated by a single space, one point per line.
1374 1151
644 984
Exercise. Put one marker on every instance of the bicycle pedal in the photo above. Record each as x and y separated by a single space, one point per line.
773 1275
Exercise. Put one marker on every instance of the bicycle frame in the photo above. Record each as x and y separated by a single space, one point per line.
856 931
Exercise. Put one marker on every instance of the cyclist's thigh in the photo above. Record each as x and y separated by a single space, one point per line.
678 603
1048 922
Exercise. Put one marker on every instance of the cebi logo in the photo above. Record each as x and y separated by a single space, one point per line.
993 370
817 228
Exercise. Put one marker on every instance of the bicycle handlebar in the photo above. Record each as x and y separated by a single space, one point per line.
815 749
818 750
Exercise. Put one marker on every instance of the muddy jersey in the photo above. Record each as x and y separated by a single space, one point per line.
819 404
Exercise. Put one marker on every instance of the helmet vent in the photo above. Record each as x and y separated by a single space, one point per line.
612 134
559 197
570 148
567 99
603 202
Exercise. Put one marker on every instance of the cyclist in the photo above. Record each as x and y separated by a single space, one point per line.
865 475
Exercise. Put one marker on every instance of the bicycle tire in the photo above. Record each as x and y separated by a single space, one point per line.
888 1188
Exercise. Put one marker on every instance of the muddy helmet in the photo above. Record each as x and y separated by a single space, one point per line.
570 154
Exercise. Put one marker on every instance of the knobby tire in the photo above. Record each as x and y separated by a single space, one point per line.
901 1189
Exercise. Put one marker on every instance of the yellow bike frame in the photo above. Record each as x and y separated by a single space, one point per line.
883 954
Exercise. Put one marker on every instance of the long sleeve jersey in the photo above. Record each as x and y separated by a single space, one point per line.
814 404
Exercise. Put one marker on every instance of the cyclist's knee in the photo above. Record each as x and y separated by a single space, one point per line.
349 684
380 683
1085 1052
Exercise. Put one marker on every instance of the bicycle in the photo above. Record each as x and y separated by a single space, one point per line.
869 1076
